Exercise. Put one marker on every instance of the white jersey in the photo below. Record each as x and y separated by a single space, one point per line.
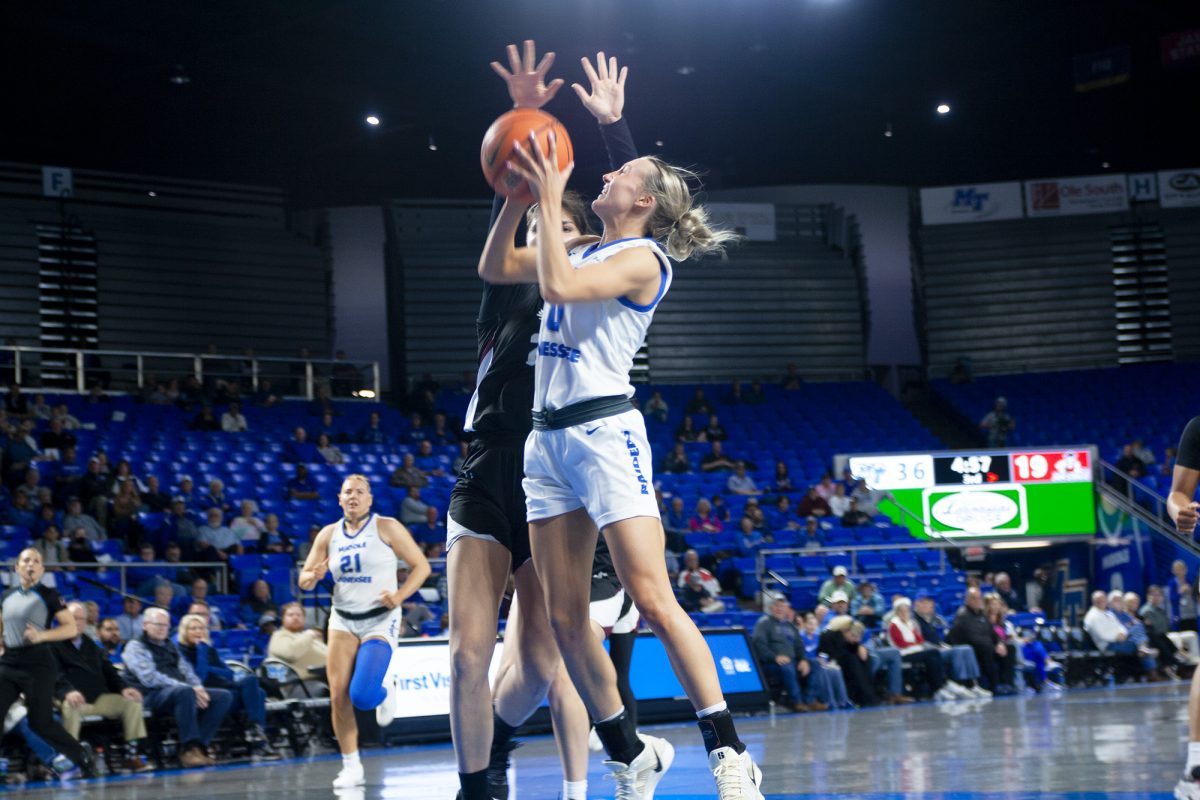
362 566
585 350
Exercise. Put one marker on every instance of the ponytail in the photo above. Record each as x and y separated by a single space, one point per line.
678 222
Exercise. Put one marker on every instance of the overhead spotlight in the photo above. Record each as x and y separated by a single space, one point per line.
686 70
658 142
1104 165
179 76
364 394
943 108
372 120
887 132
432 143
152 194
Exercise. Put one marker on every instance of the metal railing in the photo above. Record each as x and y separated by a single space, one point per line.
130 371
1132 495
764 575
88 570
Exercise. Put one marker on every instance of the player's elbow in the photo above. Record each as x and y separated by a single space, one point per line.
553 295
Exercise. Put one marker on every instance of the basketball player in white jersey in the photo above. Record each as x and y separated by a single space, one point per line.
587 461
360 551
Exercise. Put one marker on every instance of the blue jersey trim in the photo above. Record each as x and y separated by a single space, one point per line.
662 289
347 534
598 246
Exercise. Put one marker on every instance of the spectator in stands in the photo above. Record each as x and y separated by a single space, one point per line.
302 487
695 598
205 421
346 379
741 483
1181 597
996 661
173 554
814 537
754 513
1167 467
842 643
812 504
46 517
246 525
233 420
1157 619
703 520
998 424
867 606
265 396
779 516
838 605
108 637
699 403
21 452
959 660
129 621
16 403
427 460
21 513
755 394
305 546
1142 633
56 437
187 491
464 450
330 452
143 580
323 403
1141 452
750 539
299 450
209 613
302 649
29 487
123 522
170 687
686 432
442 433
154 499
216 541
782 483
715 460
372 432
715 432
89 685
656 408
216 497
181 529
79 549
732 397
1109 634
791 379
855 517
691 566
69 421
839 502
408 474
70 473
905 635
1002 585
412 510
783 656
273 540
826 488
675 524
259 601
837 582
50 546
330 428
677 461
430 529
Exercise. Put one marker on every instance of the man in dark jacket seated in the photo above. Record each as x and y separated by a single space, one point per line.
781 653
996 661
89 685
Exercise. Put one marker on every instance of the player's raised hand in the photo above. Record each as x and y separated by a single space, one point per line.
526 82
606 101
1185 521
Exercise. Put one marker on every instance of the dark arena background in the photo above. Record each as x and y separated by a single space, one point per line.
954 350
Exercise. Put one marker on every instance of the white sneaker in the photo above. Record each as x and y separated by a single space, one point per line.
385 712
960 691
594 743
737 776
636 781
945 694
980 692
350 776
1188 787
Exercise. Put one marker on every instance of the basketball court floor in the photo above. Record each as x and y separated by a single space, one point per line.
1125 742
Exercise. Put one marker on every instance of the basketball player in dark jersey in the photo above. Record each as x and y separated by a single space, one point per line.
487 535
1182 506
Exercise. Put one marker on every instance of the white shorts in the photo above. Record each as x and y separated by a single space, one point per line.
605 612
385 625
602 466
627 622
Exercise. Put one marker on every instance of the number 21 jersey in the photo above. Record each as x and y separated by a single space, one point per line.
362 566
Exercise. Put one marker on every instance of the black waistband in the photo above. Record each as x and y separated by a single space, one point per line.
378 611
579 413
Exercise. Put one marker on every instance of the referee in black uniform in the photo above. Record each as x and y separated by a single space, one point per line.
27 665
1182 507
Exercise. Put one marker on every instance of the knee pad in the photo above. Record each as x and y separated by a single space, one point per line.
370 668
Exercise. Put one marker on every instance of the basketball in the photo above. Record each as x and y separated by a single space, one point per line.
497 148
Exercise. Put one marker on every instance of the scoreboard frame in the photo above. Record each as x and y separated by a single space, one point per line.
987 493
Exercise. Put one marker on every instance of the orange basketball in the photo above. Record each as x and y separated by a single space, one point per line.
498 143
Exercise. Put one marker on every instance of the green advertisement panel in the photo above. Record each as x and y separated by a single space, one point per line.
997 509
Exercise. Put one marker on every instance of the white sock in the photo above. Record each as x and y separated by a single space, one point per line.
575 790
719 707
350 759
611 717
1193 759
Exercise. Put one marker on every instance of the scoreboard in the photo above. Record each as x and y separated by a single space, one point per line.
965 493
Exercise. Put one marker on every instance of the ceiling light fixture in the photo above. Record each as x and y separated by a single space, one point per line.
373 120
943 108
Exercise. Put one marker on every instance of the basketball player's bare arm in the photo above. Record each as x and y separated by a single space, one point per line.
396 536
1180 505
317 564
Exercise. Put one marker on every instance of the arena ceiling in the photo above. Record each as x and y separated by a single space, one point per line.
754 91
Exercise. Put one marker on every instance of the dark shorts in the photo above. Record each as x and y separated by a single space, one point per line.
488 502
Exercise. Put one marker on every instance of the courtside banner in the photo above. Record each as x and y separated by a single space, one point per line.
1061 197
980 202
1179 188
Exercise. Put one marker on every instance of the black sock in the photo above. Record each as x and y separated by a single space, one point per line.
474 785
620 738
502 733
718 731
